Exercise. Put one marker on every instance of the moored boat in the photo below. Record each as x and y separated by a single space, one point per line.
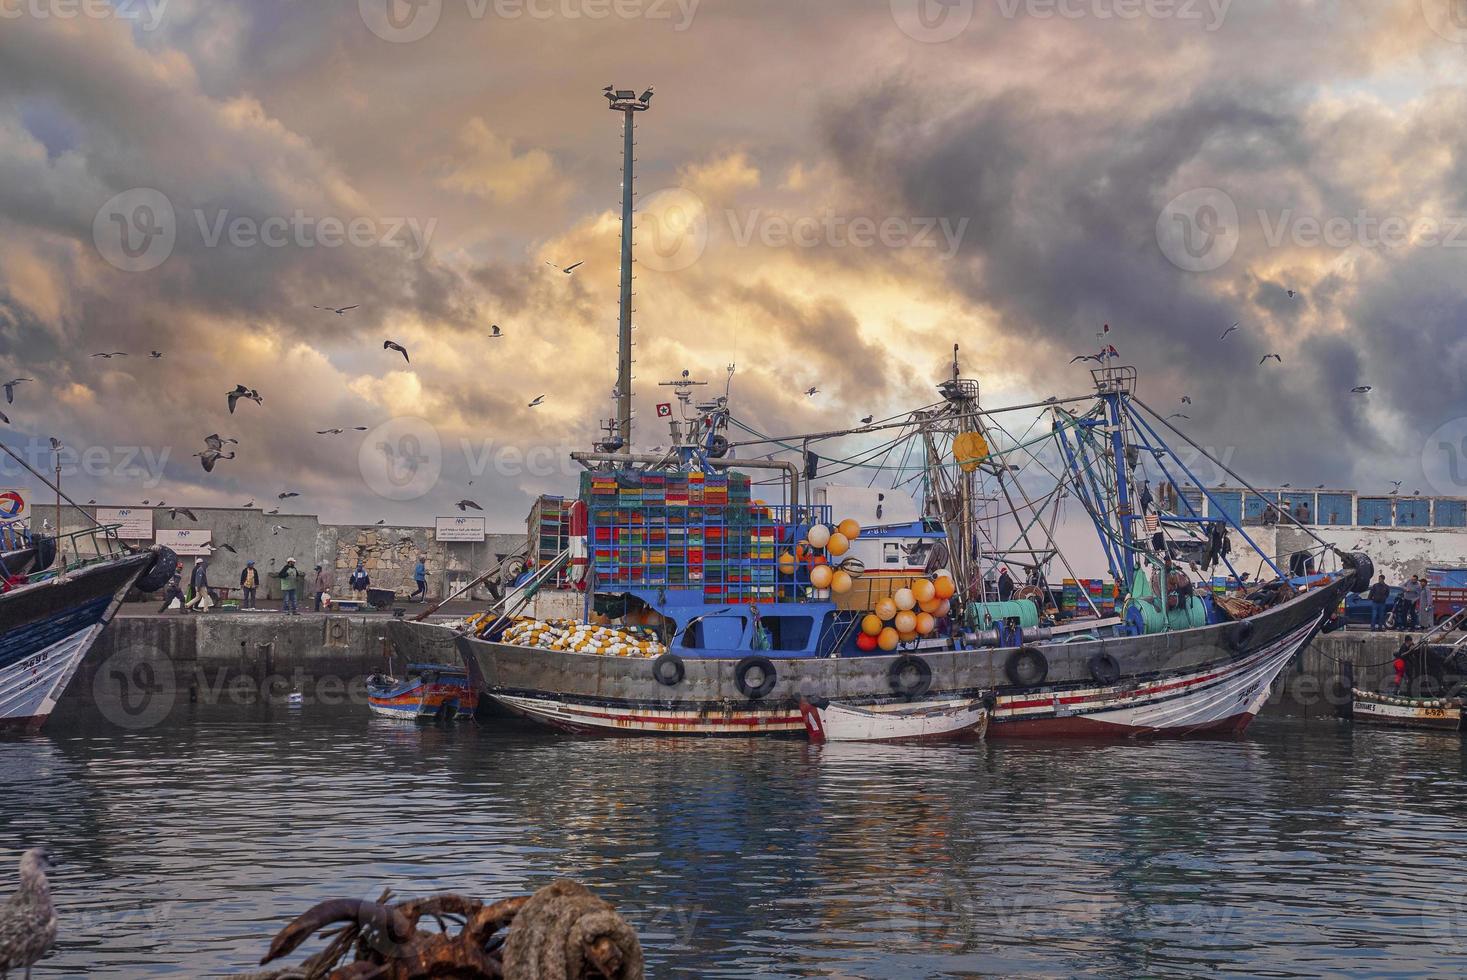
1371 708
426 693
51 612
928 721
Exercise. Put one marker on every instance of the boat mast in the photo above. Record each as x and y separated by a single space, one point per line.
1115 384
628 103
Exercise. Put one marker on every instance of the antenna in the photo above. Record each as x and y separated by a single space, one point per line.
628 103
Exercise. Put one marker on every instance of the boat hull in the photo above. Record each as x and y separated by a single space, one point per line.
1374 709
48 629
932 721
1188 682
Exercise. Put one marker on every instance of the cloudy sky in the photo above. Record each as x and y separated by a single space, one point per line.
833 193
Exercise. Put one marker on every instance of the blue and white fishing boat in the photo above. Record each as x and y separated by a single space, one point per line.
57 594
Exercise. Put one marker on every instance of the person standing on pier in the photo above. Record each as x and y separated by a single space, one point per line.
323 586
249 583
359 580
420 576
1406 609
1425 614
291 580
1378 594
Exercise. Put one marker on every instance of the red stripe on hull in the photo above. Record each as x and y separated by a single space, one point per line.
1081 726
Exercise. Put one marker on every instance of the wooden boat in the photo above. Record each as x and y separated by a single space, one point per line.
51 615
1370 708
926 721
428 692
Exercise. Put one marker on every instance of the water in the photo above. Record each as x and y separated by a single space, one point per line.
1298 851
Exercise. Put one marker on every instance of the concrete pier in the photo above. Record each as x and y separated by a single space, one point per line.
145 666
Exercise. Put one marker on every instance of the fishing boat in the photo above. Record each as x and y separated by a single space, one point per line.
1372 708
1428 694
877 598
923 722
57 594
747 636
428 692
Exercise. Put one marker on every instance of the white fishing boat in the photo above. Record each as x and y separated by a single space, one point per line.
928 721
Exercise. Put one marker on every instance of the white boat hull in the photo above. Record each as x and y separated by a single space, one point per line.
1374 709
967 718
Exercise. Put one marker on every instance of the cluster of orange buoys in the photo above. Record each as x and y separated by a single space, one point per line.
907 613
820 550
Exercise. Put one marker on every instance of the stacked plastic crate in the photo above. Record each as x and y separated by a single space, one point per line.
1102 595
548 529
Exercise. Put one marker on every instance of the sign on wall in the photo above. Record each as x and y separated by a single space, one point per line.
136 523
189 541
13 505
459 529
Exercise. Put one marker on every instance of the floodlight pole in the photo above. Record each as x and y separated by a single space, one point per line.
628 104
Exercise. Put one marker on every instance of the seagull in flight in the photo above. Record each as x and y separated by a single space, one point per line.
812 391
539 400
10 389
56 444
1228 331
494 332
1292 294
216 442
568 269
338 310
240 391
464 505
1186 399
1097 358
1362 389
394 345
329 432
1270 357
277 528
156 355
1396 485
174 512
1179 415
116 353
287 495
212 455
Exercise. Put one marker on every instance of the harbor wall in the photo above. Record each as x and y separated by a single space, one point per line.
144 665
389 553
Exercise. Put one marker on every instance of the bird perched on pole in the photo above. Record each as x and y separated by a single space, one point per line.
28 918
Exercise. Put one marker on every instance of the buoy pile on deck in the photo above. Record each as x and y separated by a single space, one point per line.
1400 702
824 550
576 637
907 613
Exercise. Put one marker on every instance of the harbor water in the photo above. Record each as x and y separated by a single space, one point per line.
1302 849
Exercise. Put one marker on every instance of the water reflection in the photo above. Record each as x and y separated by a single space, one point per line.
1297 851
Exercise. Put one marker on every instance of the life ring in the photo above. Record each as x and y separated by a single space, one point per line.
1240 635
669 670
1027 667
767 677
909 676
1105 669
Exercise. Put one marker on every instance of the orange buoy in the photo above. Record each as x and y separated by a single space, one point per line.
930 606
888 639
838 544
926 623
851 528
904 599
923 590
871 624
886 608
820 576
905 622
841 582
944 587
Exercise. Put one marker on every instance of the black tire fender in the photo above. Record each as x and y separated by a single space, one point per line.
909 687
745 667
1026 667
669 670
1363 567
1240 635
158 574
1105 668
